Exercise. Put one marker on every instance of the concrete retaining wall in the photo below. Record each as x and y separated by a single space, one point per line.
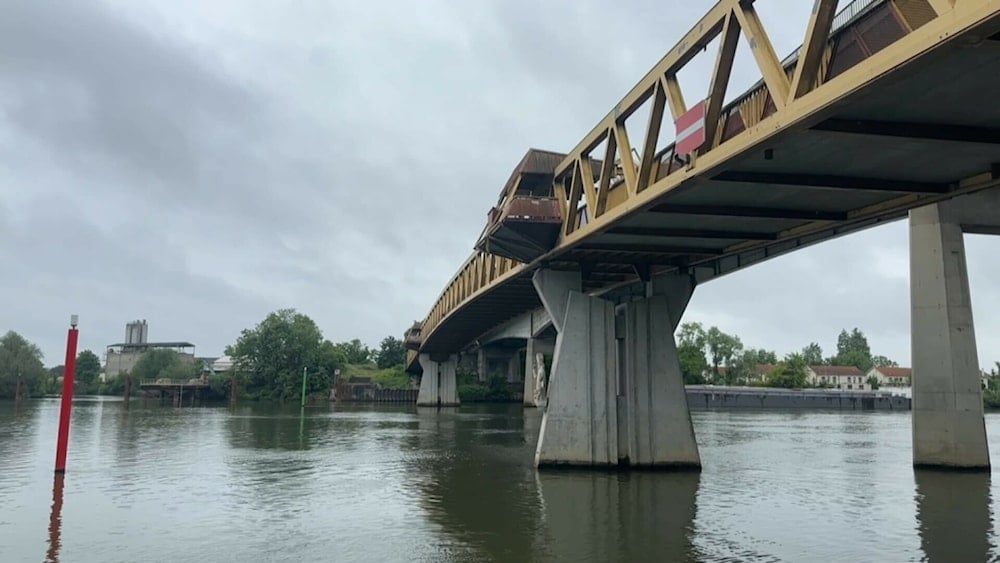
369 394
707 397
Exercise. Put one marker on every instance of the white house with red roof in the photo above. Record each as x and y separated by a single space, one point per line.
892 377
845 378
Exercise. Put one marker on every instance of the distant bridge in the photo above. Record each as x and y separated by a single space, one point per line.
885 111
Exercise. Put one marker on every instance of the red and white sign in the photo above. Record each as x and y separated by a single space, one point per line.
690 129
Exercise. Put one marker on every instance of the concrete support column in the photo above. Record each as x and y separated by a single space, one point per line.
948 425
654 413
528 397
439 383
514 367
579 426
616 394
481 365
530 374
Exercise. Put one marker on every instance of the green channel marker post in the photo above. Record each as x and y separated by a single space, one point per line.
302 409
304 375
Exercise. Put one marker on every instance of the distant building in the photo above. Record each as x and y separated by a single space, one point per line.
759 373
222 365
120 358
892 377
845 378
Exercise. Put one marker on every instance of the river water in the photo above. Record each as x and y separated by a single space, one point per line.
400 484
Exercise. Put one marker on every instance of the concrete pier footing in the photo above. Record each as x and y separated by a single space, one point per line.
439 383
659 426
616 394
948 426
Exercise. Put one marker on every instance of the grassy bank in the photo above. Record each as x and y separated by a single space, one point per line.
389 378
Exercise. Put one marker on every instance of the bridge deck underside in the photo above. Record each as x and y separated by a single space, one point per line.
904 141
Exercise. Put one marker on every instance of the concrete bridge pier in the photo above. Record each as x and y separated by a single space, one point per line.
948 426
652 396
439 382
616 395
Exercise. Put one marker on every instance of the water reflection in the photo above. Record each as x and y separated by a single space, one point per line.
638 516
55 519
363 483
953 512
275 427
475 483
478 484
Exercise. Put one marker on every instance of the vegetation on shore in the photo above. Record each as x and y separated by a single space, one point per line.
268 360
394 377
494 389
726 362
991 394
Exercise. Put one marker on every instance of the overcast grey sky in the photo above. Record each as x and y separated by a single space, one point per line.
200 164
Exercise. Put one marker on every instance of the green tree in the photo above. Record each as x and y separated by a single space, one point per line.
873 382
721 348
743 367
20 367
330 358
853 350
812 354
883 362
391 353
271 356
790 373
691 334
88 367
693 363
53 375
854 341
355 352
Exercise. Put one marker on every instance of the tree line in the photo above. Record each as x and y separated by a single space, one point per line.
268 360
713 356
22 373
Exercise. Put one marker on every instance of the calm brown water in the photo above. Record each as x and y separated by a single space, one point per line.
398 484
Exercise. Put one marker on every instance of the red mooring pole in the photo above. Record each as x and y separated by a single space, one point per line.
66 408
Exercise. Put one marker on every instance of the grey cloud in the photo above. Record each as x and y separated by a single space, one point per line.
57 263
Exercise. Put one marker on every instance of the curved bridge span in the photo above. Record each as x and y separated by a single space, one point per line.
885 111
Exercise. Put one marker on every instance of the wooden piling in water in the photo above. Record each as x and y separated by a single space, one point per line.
128 389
